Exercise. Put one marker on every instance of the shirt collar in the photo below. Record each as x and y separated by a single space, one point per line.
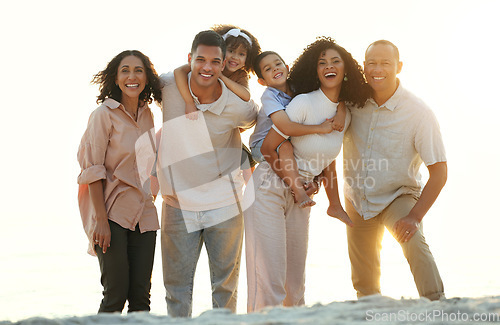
216 107
278 92
392 102
113 104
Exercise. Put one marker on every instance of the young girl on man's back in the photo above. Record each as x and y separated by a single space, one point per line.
241 50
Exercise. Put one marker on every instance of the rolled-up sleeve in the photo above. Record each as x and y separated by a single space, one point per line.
249 116
428 140
92 150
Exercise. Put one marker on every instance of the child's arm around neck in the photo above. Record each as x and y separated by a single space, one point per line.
237 82
181 80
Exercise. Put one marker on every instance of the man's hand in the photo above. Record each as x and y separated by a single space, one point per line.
405 228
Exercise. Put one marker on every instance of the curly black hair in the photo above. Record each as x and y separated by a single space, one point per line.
304 76
233 43
106 79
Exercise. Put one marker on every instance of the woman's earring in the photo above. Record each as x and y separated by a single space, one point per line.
345 77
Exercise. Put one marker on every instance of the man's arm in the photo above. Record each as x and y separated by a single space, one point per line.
406 227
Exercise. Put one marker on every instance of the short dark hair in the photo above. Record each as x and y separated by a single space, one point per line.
385 42
209 38
260 57
106 79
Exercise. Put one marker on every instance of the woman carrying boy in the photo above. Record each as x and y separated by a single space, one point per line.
276 228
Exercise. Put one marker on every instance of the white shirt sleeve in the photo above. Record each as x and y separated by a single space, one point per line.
428 140
297 109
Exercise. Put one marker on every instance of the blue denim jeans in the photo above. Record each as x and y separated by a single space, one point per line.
256 153
181 251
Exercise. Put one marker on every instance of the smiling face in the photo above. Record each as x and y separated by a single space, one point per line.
274 72
131 77
206 65
330 70
236 58
381 68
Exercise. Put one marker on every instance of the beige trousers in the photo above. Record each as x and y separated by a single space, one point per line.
276 236
365 242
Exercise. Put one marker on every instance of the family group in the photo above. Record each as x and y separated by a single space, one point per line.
218 192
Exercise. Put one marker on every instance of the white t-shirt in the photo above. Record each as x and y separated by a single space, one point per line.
314 152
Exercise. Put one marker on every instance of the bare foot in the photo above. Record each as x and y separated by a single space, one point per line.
307 203
339 213
302 198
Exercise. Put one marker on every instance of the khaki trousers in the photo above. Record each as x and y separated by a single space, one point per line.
276 236
365 242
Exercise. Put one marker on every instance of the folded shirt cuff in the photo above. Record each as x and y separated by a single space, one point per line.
92 174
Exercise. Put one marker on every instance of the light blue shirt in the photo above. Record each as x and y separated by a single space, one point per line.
272 100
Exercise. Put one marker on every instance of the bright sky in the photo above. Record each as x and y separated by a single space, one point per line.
51 50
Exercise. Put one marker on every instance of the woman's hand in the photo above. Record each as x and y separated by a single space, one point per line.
102 234
339 213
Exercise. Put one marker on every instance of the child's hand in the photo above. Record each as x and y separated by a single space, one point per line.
338 123
339 118
311 188
191 112
326 126
339 213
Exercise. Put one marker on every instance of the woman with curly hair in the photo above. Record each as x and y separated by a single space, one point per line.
116 154
276 229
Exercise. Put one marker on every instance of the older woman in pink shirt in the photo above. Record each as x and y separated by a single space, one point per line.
116 155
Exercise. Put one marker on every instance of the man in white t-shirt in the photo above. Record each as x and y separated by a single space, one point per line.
384 147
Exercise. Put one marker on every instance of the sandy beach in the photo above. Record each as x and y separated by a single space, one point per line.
373 309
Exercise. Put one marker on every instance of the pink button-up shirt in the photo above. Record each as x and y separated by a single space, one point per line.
121 152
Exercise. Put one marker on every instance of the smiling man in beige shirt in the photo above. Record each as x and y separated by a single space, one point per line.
384 147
